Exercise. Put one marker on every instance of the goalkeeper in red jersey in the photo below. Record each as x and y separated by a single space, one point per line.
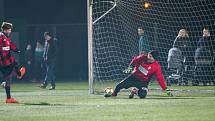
141 68
8 66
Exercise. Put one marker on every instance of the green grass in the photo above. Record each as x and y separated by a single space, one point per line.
71 102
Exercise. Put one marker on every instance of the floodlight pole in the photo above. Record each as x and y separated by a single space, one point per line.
90 45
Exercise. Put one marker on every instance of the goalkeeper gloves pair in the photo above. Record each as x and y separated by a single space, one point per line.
169 92
128 70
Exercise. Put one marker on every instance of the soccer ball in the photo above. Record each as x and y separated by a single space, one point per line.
108 90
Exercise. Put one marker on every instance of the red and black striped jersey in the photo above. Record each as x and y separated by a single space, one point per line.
5 46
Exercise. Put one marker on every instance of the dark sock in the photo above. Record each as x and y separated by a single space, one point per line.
117 89
7 90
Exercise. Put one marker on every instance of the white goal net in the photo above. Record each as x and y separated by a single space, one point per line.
173 27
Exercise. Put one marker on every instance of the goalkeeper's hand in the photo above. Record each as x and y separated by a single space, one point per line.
169 92
128 70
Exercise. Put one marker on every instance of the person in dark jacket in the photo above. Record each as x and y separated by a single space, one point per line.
204 58
206 41
28 61
49 56
144 43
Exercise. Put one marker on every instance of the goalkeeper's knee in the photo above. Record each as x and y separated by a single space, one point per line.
142 92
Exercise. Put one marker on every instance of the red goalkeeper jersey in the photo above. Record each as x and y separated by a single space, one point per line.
5 46
144 70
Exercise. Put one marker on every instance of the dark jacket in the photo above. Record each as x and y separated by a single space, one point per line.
204 51
206 43
52 51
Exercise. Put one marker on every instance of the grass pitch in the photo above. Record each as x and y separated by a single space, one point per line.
71 102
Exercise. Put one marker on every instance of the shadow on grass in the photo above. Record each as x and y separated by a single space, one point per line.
156 98
172 98
42 104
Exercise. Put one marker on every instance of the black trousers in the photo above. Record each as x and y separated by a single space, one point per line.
131 81
50 73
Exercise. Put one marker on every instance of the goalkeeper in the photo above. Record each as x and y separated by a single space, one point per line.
141 68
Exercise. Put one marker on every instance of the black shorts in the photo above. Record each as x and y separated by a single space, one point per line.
132 81
7 70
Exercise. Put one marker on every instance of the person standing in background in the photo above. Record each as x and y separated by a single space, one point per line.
144 46
49 57
183 43
38 61
204 69
29 61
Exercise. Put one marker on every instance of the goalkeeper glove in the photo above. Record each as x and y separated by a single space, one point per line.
128 70
169 92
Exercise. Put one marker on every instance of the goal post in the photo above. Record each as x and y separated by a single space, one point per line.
113 38
90 44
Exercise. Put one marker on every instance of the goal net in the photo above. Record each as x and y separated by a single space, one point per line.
122 29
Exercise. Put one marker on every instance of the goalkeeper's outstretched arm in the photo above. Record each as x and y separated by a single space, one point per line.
162 83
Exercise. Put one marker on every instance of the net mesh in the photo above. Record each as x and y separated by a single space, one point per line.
167 24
